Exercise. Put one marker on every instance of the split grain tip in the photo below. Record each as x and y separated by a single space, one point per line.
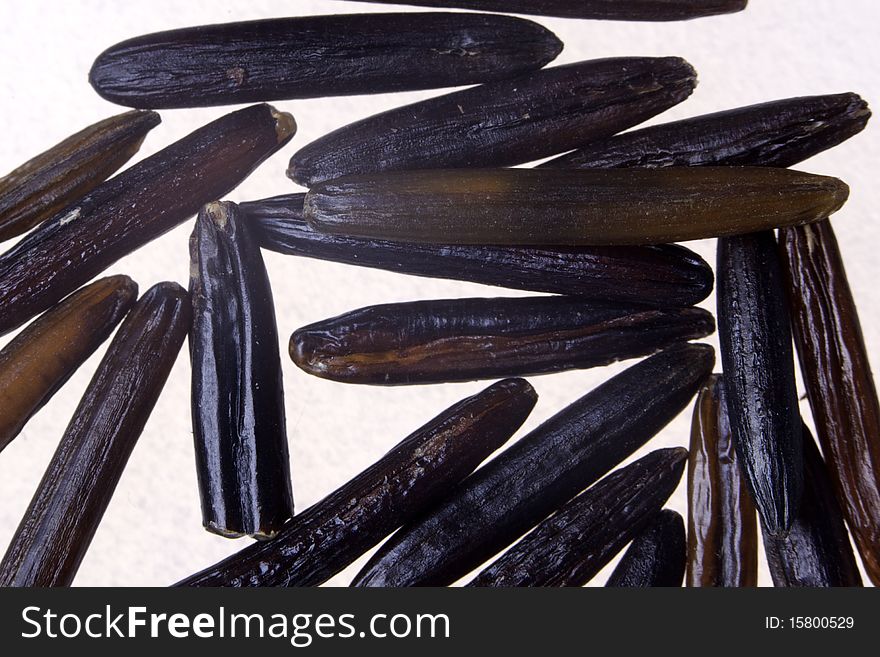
285 124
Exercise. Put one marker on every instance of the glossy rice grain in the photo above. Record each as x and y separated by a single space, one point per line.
141 203
570 547
237 400
70 501
618 10
58 177
722 525
779 133
816 551
665 275
501 123
756 352
330 535
656 557
837 374
40 359
447 340
540 472
572 207
316 56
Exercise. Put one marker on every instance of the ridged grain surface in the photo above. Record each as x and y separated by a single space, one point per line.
570 547
40 359
667 275
141 203
64 513
756 352
448 340
315 56
540 472
239 427
572 207
502 123
778 133
837 374
722 526
816 552
58 177
656 557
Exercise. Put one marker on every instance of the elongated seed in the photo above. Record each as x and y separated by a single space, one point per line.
58 177
540 472
237 393
136 206
71 499
756 351
619 10
502 123
467 339
669 275
656 557
314 56
575 543
778 133
816 552
837 374
37 362
548 206
330 535
722 527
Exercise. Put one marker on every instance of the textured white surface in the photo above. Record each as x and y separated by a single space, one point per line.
151 533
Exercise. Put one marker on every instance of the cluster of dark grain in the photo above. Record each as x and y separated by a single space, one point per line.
573 544
666 274
419 471
503 123
816 550
540 472
425 190
136 206
64 513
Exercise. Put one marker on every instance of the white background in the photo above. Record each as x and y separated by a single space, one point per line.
151 533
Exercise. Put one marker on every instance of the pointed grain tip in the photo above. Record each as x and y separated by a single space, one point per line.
679 454
118 280
677 72
698 351
839 194
149 118
517 385
127 287
294 173
555 46
704 320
